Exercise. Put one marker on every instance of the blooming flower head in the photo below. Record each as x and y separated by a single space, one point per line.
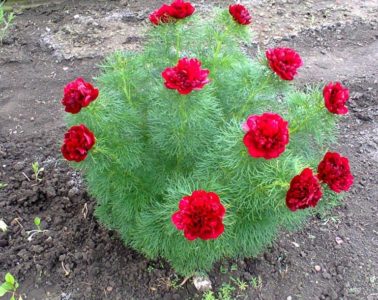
186 76
200 216
160 15
240 14
266 135
78 140
178 9
78 94
334 170
305 191
335 97
284 62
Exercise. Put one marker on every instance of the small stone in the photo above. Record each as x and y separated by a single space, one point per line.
62 257
333 295
317 268
50 191
339 240
295 244
73 191
176 297
36 249
202 283
289 298
19 166
3 243
109 289
3 226
247 276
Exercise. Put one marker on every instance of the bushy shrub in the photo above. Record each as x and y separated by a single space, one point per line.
194 150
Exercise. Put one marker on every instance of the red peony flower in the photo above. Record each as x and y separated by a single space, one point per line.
78 94
334 170
160 15
284 62
200 216
178 9
335 97
186 76
305 191
240 14
78 140
267 135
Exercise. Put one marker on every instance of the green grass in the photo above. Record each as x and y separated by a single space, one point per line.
6 21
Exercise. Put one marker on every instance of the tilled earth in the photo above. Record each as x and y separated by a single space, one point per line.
332 257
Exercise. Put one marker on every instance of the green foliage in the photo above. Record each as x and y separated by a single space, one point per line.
9 286
225 292
256 282
37 223
208 296
241 284
37 171
6 21
154 146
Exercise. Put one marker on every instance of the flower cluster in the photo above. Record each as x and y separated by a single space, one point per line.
178 9
305 188
78 140
186 76
267 135
200 216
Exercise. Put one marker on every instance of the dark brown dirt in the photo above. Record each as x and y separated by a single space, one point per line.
333 257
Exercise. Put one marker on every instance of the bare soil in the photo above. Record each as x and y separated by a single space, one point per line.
333 257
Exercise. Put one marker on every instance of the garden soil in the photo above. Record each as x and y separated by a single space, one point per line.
333 256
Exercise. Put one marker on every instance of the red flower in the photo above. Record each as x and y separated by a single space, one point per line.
334 170
78 94
186 76
160 15
240 14
267 135
178 9
78 140
335 97
305 191
200 216
284 62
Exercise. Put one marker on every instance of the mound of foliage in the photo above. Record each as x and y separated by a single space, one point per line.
194 150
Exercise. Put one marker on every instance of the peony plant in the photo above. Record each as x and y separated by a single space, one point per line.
194 150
